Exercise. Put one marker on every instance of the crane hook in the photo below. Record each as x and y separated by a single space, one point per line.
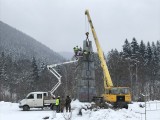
87 38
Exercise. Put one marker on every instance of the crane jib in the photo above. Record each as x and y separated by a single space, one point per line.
107 77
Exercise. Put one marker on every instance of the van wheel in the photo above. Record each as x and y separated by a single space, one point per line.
26 108
51 106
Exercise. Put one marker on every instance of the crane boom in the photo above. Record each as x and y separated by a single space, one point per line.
107 78
58 76
52 69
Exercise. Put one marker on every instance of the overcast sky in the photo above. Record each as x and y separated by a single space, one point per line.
60 24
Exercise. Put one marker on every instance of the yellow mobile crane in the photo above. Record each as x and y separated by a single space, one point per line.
117 96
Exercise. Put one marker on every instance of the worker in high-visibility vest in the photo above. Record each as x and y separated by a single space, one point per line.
76 50
58 104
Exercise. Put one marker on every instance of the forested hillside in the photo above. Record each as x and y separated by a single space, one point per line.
21 46
23 63
137 66
23 67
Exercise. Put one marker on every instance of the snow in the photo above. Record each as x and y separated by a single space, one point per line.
11 111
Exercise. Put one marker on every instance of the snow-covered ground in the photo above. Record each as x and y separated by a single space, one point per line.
11 111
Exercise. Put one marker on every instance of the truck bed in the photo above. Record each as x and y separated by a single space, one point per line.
49 101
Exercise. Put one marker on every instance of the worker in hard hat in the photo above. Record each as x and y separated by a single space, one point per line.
58 104
76 50
68 104
62 104
80 53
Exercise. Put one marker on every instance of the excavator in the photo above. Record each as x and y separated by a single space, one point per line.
117 97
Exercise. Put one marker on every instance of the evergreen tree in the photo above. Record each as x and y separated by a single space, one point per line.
3 71
155 68
35 76
142 49
155 59
158 48
126 49
35 70
141 67
158 55
149 74
134 49
148 54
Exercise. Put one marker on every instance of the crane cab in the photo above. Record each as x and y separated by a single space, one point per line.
117 96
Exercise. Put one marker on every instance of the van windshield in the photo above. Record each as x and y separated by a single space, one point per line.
30 96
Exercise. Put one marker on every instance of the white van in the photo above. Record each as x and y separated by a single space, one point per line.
36 100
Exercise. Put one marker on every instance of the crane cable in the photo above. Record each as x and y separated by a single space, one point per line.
86 25
87 31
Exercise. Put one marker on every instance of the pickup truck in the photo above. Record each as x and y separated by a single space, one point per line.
37 100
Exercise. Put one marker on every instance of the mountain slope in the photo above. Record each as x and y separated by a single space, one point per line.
67 55
22 46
